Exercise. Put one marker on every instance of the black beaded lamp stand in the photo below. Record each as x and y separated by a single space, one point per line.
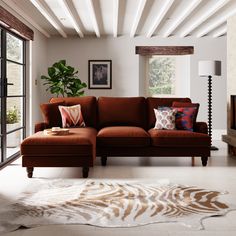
209 69
213 148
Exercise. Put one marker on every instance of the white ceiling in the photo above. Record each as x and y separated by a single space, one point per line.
149 18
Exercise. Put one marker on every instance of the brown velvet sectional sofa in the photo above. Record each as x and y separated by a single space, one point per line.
115 126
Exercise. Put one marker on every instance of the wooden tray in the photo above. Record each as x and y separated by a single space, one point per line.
56 132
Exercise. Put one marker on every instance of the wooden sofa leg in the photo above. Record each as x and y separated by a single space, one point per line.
204 161
104 160
30 171
85 171
193 161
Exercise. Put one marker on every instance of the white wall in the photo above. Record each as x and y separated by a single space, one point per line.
182 76
127 81
38 67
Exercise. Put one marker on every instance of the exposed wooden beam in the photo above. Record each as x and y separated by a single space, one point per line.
70 15
30 20
47 13
93 17
193 4
203 17
137 18
115 17
219 32
217 21
165 7
164 50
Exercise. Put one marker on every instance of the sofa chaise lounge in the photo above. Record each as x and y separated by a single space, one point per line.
115 126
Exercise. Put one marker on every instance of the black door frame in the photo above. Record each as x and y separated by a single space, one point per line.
3 94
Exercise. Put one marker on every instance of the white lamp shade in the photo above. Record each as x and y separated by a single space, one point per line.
209 68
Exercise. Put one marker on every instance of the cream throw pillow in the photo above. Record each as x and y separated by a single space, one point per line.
165 118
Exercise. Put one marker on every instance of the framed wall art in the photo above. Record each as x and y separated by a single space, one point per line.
100 74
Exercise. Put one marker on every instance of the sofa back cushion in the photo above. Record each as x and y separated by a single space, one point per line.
160 102
122 111
51 114
88 107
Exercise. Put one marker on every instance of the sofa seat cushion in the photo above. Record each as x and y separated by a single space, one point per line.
79 142
178 138
123 136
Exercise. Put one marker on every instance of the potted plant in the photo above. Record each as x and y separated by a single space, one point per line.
63 80
12 120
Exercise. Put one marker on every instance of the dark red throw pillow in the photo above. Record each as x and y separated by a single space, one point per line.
187 104
51 114
184 118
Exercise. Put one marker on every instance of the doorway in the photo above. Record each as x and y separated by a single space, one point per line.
12 104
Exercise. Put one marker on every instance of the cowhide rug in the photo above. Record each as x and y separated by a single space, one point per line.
110 203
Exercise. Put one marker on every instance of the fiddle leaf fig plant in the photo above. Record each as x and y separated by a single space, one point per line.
63 80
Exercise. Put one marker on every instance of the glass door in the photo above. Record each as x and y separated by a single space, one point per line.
12 95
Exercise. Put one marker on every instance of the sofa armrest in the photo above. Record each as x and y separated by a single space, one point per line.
200 127
40 126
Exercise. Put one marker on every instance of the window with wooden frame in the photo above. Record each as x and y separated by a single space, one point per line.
168 70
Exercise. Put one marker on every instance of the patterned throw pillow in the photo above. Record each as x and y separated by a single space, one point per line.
165 118
187 104
185 117
71 116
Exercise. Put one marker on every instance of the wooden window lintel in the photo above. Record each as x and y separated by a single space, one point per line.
164 50
10 22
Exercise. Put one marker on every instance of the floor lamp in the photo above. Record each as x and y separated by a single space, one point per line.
209 69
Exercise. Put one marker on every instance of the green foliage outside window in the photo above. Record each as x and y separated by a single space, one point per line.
161 75
12 116
14 46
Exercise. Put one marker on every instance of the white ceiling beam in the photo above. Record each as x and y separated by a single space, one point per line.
30 20
137 18
221 31
93 17
115 17
71 17
203 17
182 16
217 22
165 7
45 11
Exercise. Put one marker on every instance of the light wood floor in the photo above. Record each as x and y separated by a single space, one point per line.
220 174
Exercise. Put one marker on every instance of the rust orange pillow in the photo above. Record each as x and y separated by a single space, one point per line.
51 114
71 116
